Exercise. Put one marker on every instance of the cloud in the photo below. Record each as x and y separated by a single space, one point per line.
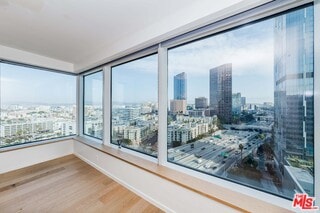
250 50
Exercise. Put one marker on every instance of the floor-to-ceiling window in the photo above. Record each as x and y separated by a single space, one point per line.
134 122
93 105
241 104
36 104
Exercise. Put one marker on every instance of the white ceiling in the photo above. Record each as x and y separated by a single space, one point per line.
76 30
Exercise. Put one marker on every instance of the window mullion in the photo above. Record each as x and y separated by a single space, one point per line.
107 104
163 104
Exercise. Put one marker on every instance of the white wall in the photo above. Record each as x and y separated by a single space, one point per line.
11 54
17 159
162 193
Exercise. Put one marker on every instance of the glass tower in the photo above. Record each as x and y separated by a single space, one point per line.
180 86
293 86
221 92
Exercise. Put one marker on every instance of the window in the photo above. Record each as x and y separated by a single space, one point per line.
93 106
241 104
135 105
35 105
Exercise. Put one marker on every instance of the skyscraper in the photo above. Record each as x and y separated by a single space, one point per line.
243 101
293 83
178 106
236 103
221 92
201 103
180 86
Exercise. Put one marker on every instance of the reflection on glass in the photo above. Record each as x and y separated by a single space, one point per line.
241 104
135 105
93 107
35 105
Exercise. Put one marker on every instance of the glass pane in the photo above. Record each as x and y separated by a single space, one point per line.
35 105
135 105
241 104
93 106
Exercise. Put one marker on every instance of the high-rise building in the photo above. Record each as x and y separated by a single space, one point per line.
201 103
236 103
180 86
293 75
243 101
128 113
221 92
178 106
196 113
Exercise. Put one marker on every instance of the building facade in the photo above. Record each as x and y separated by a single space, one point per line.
236 103
178 106
180 86
293 83
221 92
201 103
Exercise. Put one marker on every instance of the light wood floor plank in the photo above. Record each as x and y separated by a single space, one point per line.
66 185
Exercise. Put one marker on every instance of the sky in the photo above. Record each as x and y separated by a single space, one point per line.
136 81
93 87
23 85
249 49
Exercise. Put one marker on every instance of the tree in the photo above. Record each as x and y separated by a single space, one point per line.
262 136
219 123
236 119
241 148
127 141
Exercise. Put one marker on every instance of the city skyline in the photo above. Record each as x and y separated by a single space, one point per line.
269 146
249 49
20 124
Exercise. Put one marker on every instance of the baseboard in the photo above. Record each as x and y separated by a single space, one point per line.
131 188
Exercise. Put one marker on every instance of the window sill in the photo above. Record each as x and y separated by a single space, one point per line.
235 200
36 143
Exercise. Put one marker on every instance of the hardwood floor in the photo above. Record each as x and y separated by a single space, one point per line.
66 185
